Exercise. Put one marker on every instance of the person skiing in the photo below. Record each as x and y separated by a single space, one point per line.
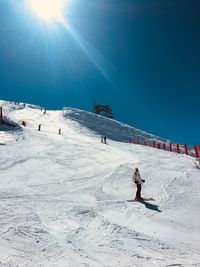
104 138
39 127
138 181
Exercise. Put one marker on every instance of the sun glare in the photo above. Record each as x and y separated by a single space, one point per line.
48 10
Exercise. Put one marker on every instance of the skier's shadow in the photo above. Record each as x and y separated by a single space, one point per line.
148 205
151 206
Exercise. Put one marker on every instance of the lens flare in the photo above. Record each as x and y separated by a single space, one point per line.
48 10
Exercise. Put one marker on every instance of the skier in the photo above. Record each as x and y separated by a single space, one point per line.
39 127
104 139
138 181
59 131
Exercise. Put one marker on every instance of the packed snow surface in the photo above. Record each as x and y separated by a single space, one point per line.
67 200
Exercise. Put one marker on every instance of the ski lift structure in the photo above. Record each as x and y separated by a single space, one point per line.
103 110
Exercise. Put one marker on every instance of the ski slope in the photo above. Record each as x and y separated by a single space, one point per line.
63 198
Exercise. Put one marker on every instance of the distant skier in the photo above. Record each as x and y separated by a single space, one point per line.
39 127
105 138
59 131
45 111
138 181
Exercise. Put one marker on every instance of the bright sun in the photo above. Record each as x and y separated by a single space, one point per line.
48 10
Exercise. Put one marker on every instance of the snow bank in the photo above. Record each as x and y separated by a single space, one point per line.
111 128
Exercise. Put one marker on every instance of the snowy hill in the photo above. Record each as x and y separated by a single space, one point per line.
63 198
113 129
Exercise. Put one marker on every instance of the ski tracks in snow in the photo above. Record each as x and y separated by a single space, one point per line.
63 200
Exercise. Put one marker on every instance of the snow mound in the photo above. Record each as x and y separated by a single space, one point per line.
111 128
9 129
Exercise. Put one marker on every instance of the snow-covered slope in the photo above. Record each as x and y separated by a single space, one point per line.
113 129
63 198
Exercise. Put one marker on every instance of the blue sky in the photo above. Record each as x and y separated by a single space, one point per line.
140 57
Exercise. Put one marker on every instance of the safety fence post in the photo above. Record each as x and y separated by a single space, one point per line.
158 146
196 151
164 146
186 149
171 147
178 148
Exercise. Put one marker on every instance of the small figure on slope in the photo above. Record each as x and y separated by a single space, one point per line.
59 131
138 181
39 127
104 138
